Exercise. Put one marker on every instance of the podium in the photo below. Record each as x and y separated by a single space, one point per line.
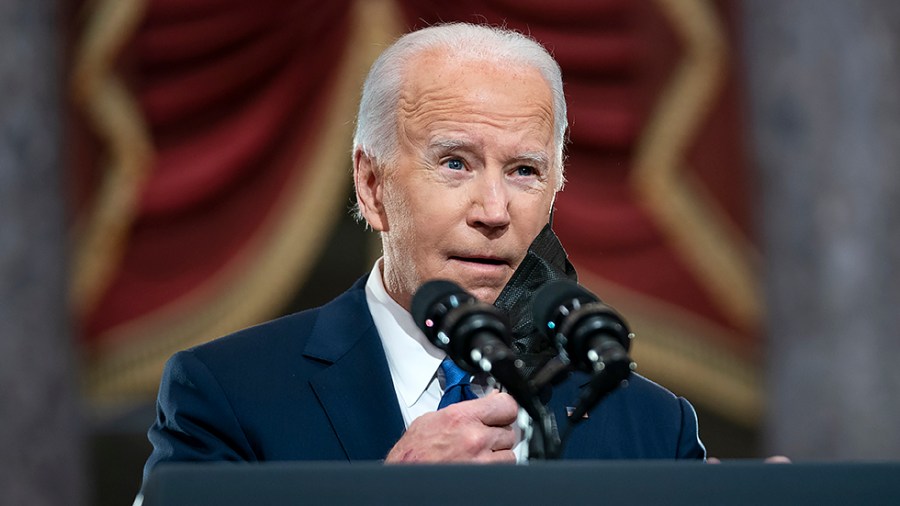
545 483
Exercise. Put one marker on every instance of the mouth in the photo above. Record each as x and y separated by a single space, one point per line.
480 260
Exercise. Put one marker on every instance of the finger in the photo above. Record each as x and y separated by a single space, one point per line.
496 410
504 438
497 457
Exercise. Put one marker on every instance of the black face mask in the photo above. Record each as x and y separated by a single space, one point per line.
545 261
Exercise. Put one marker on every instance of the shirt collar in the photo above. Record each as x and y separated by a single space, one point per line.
412 359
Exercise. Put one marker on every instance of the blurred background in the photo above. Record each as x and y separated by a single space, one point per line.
174 170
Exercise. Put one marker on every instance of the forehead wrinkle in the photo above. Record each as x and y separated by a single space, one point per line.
428 106
432 113
440 102
412 103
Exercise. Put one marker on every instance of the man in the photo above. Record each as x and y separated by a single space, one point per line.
457 161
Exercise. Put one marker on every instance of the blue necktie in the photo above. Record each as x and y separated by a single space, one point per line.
456 384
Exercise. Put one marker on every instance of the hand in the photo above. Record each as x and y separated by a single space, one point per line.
775 459
478 430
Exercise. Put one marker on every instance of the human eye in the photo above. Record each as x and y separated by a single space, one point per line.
526 171
454 164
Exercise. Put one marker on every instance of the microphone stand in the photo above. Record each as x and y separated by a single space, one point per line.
502 364
544 443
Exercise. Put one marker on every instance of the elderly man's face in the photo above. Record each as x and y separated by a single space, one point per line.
473 184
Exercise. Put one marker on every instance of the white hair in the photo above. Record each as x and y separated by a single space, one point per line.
376 124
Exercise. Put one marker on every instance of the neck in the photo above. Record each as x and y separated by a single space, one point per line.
393 286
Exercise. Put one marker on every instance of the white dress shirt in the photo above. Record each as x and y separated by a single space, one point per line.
413 361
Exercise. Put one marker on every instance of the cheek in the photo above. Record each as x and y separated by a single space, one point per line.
413 219
440 207
534 212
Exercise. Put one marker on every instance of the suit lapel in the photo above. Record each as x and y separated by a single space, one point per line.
356 390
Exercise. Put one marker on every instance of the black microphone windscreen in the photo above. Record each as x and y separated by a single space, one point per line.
551 296
430 293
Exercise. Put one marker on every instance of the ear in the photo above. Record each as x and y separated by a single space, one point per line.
368 179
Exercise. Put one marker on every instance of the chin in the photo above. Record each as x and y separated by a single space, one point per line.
485 294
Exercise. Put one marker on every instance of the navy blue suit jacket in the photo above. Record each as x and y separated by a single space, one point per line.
315 385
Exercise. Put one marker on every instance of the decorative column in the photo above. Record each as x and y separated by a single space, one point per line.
823 78
40 426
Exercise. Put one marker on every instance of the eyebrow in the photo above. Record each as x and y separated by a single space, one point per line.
535 157
538 158
450 144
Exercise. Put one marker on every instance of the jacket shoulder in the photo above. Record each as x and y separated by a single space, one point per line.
640 419
273 341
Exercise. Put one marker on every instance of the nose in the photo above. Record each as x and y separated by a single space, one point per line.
489 211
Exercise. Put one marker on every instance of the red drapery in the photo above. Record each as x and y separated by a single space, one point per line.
209 157
231 93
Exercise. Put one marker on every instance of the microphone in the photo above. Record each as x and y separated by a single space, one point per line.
474 334
589 334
